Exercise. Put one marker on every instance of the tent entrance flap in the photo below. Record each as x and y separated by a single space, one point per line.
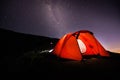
82 46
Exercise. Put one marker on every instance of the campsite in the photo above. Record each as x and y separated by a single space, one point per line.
30 53
60 39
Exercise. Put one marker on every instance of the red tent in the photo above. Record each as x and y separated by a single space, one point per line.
76 45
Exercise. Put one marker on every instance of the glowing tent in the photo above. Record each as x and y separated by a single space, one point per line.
76 45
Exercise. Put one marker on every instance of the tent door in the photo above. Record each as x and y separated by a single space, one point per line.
82 46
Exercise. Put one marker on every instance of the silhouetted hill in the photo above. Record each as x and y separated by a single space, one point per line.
14 45
114 55
14 42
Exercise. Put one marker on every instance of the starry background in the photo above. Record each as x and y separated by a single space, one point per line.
54 18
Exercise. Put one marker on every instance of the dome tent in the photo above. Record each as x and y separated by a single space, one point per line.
78 44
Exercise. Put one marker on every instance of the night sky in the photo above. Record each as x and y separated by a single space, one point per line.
54 18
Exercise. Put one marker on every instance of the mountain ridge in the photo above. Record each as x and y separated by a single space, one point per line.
17 43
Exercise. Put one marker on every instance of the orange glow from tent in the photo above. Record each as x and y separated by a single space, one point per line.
69 48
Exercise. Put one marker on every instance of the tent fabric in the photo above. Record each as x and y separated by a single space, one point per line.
76 45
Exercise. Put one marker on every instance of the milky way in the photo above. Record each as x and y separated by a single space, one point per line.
54 18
